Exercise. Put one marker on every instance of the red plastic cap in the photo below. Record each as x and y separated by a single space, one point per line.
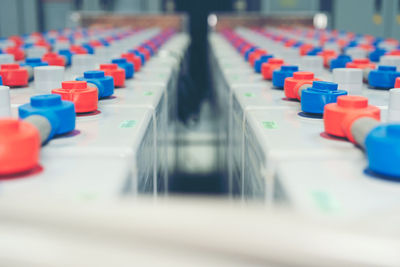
20 145
397 83
16 52
339 117
145 52
43 43
54 59
268 68
77 49
117 73
135 60
327 55
85 98
18 41
256 55
394 53
13 75
290 43
361 63
292 84
305 48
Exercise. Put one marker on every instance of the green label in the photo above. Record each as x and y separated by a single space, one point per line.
324 201
88 196
127 124
248 94
148 93
270 125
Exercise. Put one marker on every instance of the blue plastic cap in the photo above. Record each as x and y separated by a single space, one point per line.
322 85
119 60
149 49
340 61
127 66
298 44
50 100
386 68
292 68
93 74
67 54
27 45
258 63
375 55
142 56
33 60
248 51
104 84
89 48
382 147
314 99
384 77
279 76
139 54
352 44
314 51
60 114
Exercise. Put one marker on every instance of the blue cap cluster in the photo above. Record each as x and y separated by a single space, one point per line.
263 59
60 113
384 77
298 44
127 66
89 48
340 61
34 62
104 84
314 51
248 52
382 147
375 55
139 54
149 49
314 99
67 54
279 76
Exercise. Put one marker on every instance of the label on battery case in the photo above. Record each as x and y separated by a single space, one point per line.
127 124
324 201
270 125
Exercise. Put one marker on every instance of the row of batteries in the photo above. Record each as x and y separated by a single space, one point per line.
352 60
50 115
